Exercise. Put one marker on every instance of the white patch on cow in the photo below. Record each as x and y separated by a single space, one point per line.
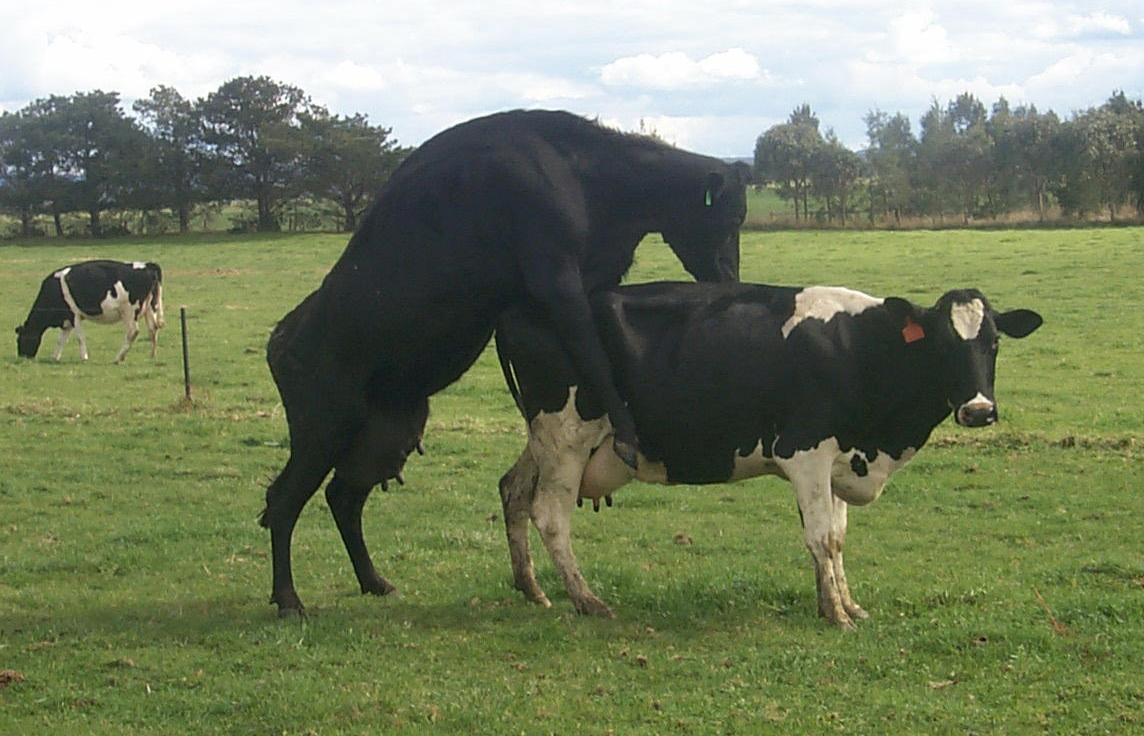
845 483
138 265
967 318
753 465
563 441
65 291
862 489
115 307
824 302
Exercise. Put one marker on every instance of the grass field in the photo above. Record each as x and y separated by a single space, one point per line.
1004 568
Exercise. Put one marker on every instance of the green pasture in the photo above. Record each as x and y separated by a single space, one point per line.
1003 569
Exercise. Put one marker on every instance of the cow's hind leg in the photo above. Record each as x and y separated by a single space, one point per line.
152 322
377 454
132 332
346 503
82 339
518 491
561 453
285 498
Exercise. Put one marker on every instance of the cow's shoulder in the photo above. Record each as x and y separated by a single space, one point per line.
823 304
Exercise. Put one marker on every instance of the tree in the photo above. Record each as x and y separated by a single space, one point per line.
347 161
891 157
1096 159
252 126
1022 160
175 165
97 148
836 170
784 154
27 171
954 157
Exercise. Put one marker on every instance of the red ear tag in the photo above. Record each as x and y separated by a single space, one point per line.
912 332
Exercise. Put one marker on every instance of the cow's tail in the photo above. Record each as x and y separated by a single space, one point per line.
510 378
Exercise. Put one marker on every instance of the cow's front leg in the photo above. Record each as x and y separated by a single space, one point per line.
65 333
518 491
838 533
809 471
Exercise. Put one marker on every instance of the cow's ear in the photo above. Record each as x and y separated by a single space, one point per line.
905 318
1018 323
715 184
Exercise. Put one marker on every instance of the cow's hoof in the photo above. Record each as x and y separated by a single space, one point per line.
288 605
380 586
594 607
626 452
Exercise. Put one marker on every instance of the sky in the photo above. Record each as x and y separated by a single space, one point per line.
706 76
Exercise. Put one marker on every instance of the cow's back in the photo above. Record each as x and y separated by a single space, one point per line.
701 366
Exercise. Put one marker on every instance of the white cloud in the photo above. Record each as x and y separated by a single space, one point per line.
917 38
677 70
359 77
1098 23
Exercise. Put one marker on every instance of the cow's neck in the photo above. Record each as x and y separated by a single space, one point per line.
647 189
905 406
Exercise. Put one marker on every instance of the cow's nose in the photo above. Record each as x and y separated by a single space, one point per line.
977 412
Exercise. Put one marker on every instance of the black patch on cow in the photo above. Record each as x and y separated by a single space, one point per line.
858 465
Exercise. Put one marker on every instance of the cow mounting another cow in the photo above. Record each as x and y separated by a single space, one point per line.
537 206
104 292
829 388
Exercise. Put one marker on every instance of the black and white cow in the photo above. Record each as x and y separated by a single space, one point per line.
104 292
826 387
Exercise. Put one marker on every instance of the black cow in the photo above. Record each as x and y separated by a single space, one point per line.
829 388
535 206
104 292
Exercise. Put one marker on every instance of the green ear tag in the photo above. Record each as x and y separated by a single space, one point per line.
707 199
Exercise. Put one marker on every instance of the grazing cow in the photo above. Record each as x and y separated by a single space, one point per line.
104 292
828 388
525 206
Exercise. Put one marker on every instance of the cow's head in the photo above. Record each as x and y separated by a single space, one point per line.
704 230
960 336
27 341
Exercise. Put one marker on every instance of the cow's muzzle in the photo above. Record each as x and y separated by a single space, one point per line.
977 412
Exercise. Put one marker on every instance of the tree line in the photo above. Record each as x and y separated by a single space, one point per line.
966 164
267 146
253 140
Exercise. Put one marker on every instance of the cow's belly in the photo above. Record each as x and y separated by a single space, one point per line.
605 472
113 308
